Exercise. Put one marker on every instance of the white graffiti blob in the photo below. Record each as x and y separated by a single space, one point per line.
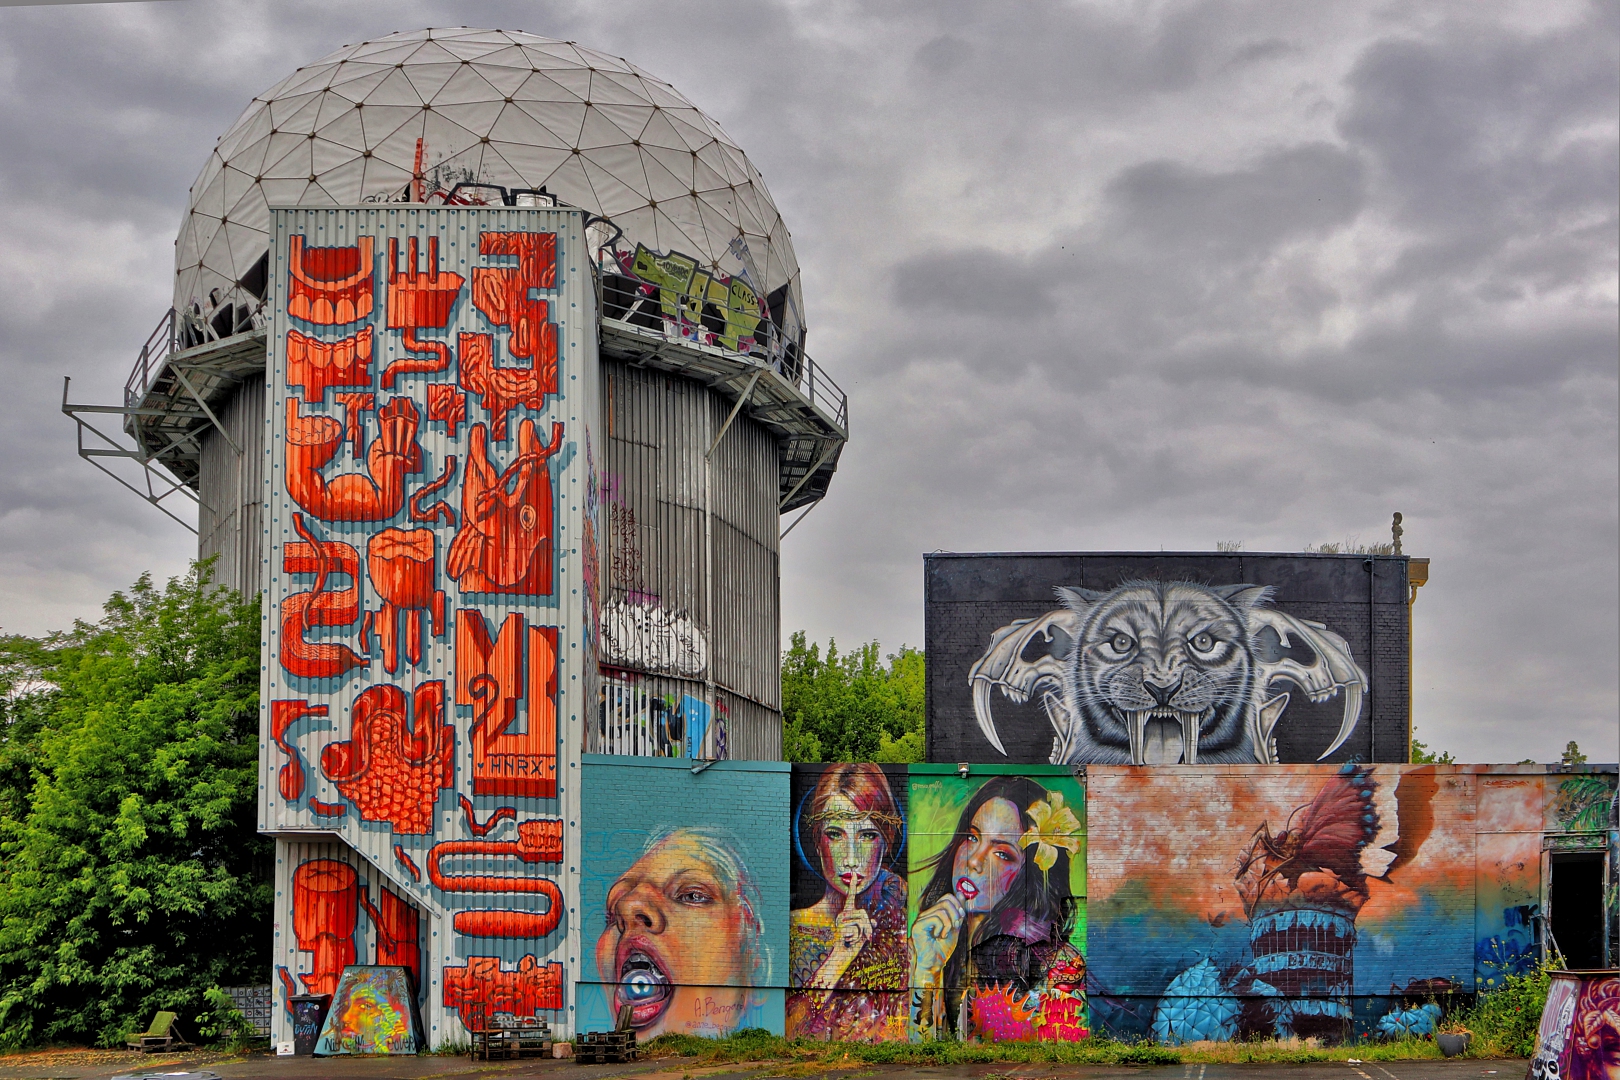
652 639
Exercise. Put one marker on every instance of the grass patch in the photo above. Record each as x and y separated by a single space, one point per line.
803 1057
758 1045
453 1048
1305 1051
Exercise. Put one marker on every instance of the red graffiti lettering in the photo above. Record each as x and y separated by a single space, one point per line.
502 293
504 813
407 862
447 405
314 365
419 299
539 841
355 403
492 677
513 924
325 910
482 988
438 509
397 928
501 389
505 541
402 571
283 714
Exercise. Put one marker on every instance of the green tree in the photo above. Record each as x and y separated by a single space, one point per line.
22 718
1422 755
854 706
1573 755
132 877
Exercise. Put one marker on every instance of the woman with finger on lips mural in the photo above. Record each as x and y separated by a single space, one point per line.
997 911
682 943
847 950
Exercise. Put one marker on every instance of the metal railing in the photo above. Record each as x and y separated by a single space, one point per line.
823 393
159 344
228 313
678 316
706 320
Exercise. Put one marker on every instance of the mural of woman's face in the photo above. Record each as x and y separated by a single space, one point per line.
988 860
851 845
676 942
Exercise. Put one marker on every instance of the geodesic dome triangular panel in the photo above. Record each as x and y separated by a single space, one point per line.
409 116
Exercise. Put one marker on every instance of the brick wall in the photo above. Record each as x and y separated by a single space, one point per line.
968 598
697 864
1168 903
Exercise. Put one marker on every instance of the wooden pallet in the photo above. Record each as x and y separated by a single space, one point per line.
517 1041
602 1047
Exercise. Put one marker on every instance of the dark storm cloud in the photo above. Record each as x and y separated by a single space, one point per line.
1094 276
1170 236
1180 211
1048 59
1482 128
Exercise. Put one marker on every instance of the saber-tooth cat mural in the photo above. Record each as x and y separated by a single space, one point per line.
1166 672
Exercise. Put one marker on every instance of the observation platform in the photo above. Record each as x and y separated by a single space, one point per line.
176 389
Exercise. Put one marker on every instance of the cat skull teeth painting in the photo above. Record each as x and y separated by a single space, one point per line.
1166 736
1166 672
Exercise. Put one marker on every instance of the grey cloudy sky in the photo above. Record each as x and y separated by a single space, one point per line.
1095 276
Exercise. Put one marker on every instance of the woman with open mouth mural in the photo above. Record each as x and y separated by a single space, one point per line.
682 941
997 913
847 951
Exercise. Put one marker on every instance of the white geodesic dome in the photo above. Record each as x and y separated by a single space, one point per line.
409 116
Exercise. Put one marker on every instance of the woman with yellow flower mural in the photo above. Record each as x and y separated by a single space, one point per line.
991 940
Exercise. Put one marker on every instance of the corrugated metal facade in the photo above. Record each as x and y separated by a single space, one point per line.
343 911
429 472
691 610
232 485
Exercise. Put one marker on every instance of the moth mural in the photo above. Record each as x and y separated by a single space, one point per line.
1311 901
1165 673
1301 888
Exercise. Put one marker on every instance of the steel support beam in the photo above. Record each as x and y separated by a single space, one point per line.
748 392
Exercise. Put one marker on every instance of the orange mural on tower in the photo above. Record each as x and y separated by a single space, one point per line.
416 615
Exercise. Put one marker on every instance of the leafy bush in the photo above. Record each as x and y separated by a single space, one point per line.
1506 1020
132 877
223 1025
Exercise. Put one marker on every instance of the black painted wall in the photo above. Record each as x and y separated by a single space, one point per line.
967 597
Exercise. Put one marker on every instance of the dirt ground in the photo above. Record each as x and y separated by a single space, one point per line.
103 1064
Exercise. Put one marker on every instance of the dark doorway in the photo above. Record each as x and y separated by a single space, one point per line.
1575 900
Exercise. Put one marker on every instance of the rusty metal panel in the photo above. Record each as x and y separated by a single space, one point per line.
430 617
690 618
230 486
